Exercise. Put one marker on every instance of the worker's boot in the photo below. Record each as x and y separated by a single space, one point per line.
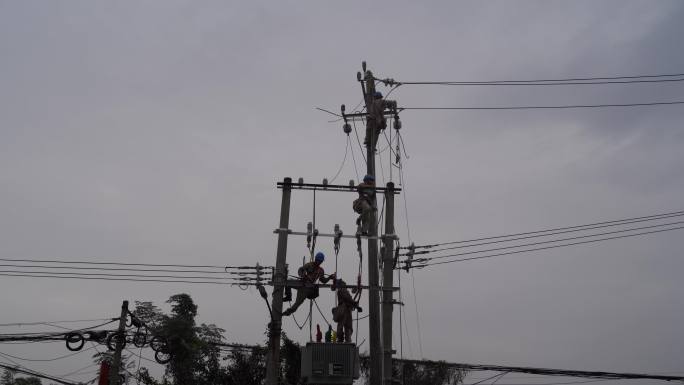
288 295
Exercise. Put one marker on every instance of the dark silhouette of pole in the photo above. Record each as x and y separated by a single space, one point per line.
387 283
114 378
279 281
373 274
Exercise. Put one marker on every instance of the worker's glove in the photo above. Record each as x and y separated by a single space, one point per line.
359 309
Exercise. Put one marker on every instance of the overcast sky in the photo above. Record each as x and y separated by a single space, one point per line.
155 131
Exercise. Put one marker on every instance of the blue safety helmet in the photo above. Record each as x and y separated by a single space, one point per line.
320 257
368 178
377 94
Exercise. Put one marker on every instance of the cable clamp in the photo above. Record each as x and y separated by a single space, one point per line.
279 230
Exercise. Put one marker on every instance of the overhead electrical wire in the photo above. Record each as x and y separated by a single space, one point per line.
226 279
544 248
46 275
543 83
346 150
659 78
34 373
614 221
109 320
358 140
131 269
126 264
50 359
532 236
547 372
54 322
575 106
541 242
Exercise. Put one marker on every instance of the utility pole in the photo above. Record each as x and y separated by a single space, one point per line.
387 283
114 378
279 282
373 274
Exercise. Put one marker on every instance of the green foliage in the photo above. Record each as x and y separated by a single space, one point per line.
197 358
423 372
150 314
7 378
290 356
246 368
27 381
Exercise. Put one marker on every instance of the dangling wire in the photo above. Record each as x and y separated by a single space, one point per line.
389 144
303 322
319 310
314 232
346 150
356 169
358 141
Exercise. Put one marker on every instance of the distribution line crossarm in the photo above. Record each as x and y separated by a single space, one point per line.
332 187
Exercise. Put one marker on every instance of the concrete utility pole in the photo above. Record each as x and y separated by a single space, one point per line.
114 378
387 283
373 274
279 281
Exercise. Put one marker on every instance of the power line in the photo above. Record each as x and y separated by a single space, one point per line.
546 371
615 221
546 242
635 78
54 322
125 264
50 359
346 150
543 83
536 236
132 269
225 279
547 247
541 235
546 107
497 376
37 374
46 275
109 320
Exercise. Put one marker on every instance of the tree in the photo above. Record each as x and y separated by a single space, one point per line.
183 343
196 355
7 377
423 372
27 381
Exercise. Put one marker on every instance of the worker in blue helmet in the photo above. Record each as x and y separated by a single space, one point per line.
310 273
375 120
363 205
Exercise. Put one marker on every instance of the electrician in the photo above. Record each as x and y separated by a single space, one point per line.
309 274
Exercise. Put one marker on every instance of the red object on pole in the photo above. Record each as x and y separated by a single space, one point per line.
104 374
